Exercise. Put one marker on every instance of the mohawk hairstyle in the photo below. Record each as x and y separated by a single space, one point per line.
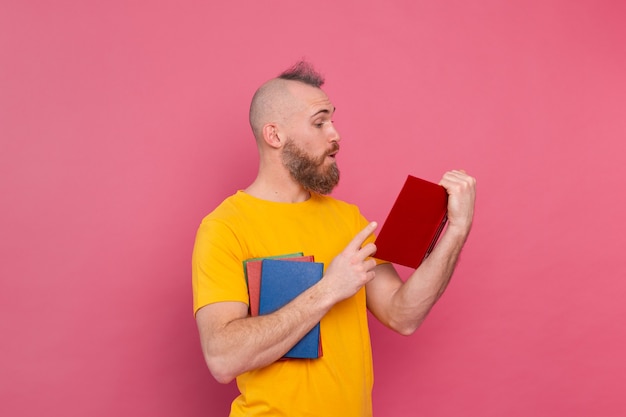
304 72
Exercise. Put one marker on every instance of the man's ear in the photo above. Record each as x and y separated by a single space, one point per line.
270 135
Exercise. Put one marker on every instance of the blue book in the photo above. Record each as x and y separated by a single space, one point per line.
281 282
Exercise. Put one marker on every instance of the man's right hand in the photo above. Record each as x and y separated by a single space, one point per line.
353 267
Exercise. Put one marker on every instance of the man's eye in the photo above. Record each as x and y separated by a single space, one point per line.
321 124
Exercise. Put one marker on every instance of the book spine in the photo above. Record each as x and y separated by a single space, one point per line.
444 220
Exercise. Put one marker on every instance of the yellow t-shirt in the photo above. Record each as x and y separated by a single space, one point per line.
243 227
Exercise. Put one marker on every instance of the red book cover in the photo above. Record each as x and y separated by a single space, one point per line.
414 223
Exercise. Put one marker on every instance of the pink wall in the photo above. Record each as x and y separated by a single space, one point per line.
123 123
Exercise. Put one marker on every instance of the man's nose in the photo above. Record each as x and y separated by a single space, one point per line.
334 135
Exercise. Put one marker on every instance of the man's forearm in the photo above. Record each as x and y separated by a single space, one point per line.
248 343
412 302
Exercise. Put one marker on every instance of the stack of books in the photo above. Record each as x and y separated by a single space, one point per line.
275 281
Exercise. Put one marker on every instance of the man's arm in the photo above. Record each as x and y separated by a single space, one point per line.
403 306
233 343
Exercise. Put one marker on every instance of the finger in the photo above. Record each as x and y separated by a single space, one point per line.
364 253
455 175
452 178
370 264
356 243
448 178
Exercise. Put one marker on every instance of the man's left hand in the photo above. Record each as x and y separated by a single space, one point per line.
461 190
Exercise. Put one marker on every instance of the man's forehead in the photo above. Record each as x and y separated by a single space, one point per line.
321 106
312 98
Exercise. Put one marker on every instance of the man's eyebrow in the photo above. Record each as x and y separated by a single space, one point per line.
327 111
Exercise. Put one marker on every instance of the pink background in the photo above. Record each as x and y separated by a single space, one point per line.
123 123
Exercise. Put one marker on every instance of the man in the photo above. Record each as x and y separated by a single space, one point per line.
285 210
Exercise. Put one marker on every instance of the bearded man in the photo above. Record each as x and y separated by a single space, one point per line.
286 210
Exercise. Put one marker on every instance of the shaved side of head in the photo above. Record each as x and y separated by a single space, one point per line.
269 104
273 101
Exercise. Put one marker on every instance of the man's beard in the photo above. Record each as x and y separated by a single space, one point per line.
309 171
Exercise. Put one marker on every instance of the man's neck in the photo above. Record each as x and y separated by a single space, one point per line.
279 190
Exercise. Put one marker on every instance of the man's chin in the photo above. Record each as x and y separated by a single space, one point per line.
326 187
328 190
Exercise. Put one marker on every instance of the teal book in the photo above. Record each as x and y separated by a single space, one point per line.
281 282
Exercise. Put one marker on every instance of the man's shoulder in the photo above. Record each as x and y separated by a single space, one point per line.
228 208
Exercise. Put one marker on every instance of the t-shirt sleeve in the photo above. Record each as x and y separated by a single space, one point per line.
217 268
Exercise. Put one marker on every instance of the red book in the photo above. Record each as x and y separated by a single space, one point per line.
414 223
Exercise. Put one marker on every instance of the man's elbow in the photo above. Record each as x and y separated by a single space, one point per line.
219 369
405 328
222 378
